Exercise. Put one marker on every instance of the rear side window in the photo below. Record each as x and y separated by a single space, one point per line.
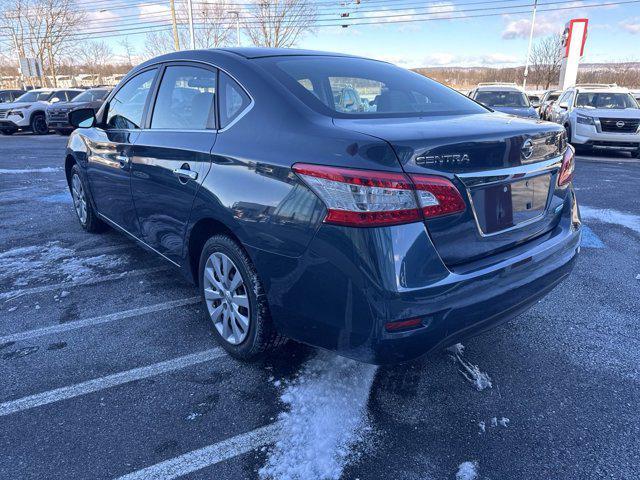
185 99
347 87
233 100
127 106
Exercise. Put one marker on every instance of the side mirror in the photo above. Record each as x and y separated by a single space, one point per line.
82 118
563 105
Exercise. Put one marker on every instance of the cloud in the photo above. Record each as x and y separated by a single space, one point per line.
631 25
441 10
521 28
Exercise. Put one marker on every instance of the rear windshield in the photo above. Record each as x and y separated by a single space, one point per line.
502 99
356 87
605 100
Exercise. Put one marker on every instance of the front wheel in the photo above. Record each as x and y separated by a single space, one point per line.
39 124
81 202
235 300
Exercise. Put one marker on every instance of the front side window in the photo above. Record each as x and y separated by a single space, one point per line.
233 100
185 99
502 99
355 87
606 100
127 106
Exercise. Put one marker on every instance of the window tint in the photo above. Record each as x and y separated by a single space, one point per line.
185 99
72 94
233 100
59 96
127 106
345 87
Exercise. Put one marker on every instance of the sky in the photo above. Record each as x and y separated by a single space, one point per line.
469 39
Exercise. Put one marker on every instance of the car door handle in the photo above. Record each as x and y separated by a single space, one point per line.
185 174
123 160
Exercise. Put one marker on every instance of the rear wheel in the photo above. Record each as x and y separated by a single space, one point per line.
81 202
39 124
235 300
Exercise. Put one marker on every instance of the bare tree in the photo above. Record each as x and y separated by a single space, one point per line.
546 60
41 29
279 23
96 56
129 50
214 24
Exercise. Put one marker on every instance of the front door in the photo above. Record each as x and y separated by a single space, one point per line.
110 151
172 156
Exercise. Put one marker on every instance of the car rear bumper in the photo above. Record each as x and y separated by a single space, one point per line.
351 282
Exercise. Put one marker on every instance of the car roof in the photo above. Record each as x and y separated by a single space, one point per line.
261 52
498 88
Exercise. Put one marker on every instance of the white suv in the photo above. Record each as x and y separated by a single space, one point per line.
27 112
599 117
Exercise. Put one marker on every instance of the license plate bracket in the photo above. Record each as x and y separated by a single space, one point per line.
506 205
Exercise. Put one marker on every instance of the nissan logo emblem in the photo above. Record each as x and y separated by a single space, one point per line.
619 124
527 149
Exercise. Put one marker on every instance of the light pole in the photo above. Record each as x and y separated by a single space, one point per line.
533 24
237 14
193 38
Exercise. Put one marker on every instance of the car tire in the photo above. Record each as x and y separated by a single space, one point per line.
82 203
236 306
8 132
39 124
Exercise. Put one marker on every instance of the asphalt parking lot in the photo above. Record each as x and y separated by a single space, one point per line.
108 367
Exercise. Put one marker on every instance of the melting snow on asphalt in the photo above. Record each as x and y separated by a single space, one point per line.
29 170
325 419
27 264
469 371
467 471
616 217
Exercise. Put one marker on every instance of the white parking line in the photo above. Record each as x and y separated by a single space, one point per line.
206 456
90 322
90 386
76 283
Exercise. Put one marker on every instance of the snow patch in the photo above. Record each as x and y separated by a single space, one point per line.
26 264
326 417
29 170
606 215
467 471
469 371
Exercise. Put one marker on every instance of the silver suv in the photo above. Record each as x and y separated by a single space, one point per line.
27 112
599 117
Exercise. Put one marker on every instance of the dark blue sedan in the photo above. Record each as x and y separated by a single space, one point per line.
338 201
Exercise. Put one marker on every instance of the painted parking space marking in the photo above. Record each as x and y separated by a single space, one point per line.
206 456
589 239
76 283
102 383
90 322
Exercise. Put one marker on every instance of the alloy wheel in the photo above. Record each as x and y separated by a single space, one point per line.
79 198
226 297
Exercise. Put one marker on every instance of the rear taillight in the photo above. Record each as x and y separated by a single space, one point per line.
568 165
368 198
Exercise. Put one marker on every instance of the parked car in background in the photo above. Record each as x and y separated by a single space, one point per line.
636 95
505 98
599 117
58 113
546 102
27 112
534 100
8 96
379 234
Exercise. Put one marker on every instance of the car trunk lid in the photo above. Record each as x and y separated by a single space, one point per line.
505 168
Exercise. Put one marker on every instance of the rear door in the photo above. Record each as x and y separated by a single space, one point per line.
172 154
109 166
